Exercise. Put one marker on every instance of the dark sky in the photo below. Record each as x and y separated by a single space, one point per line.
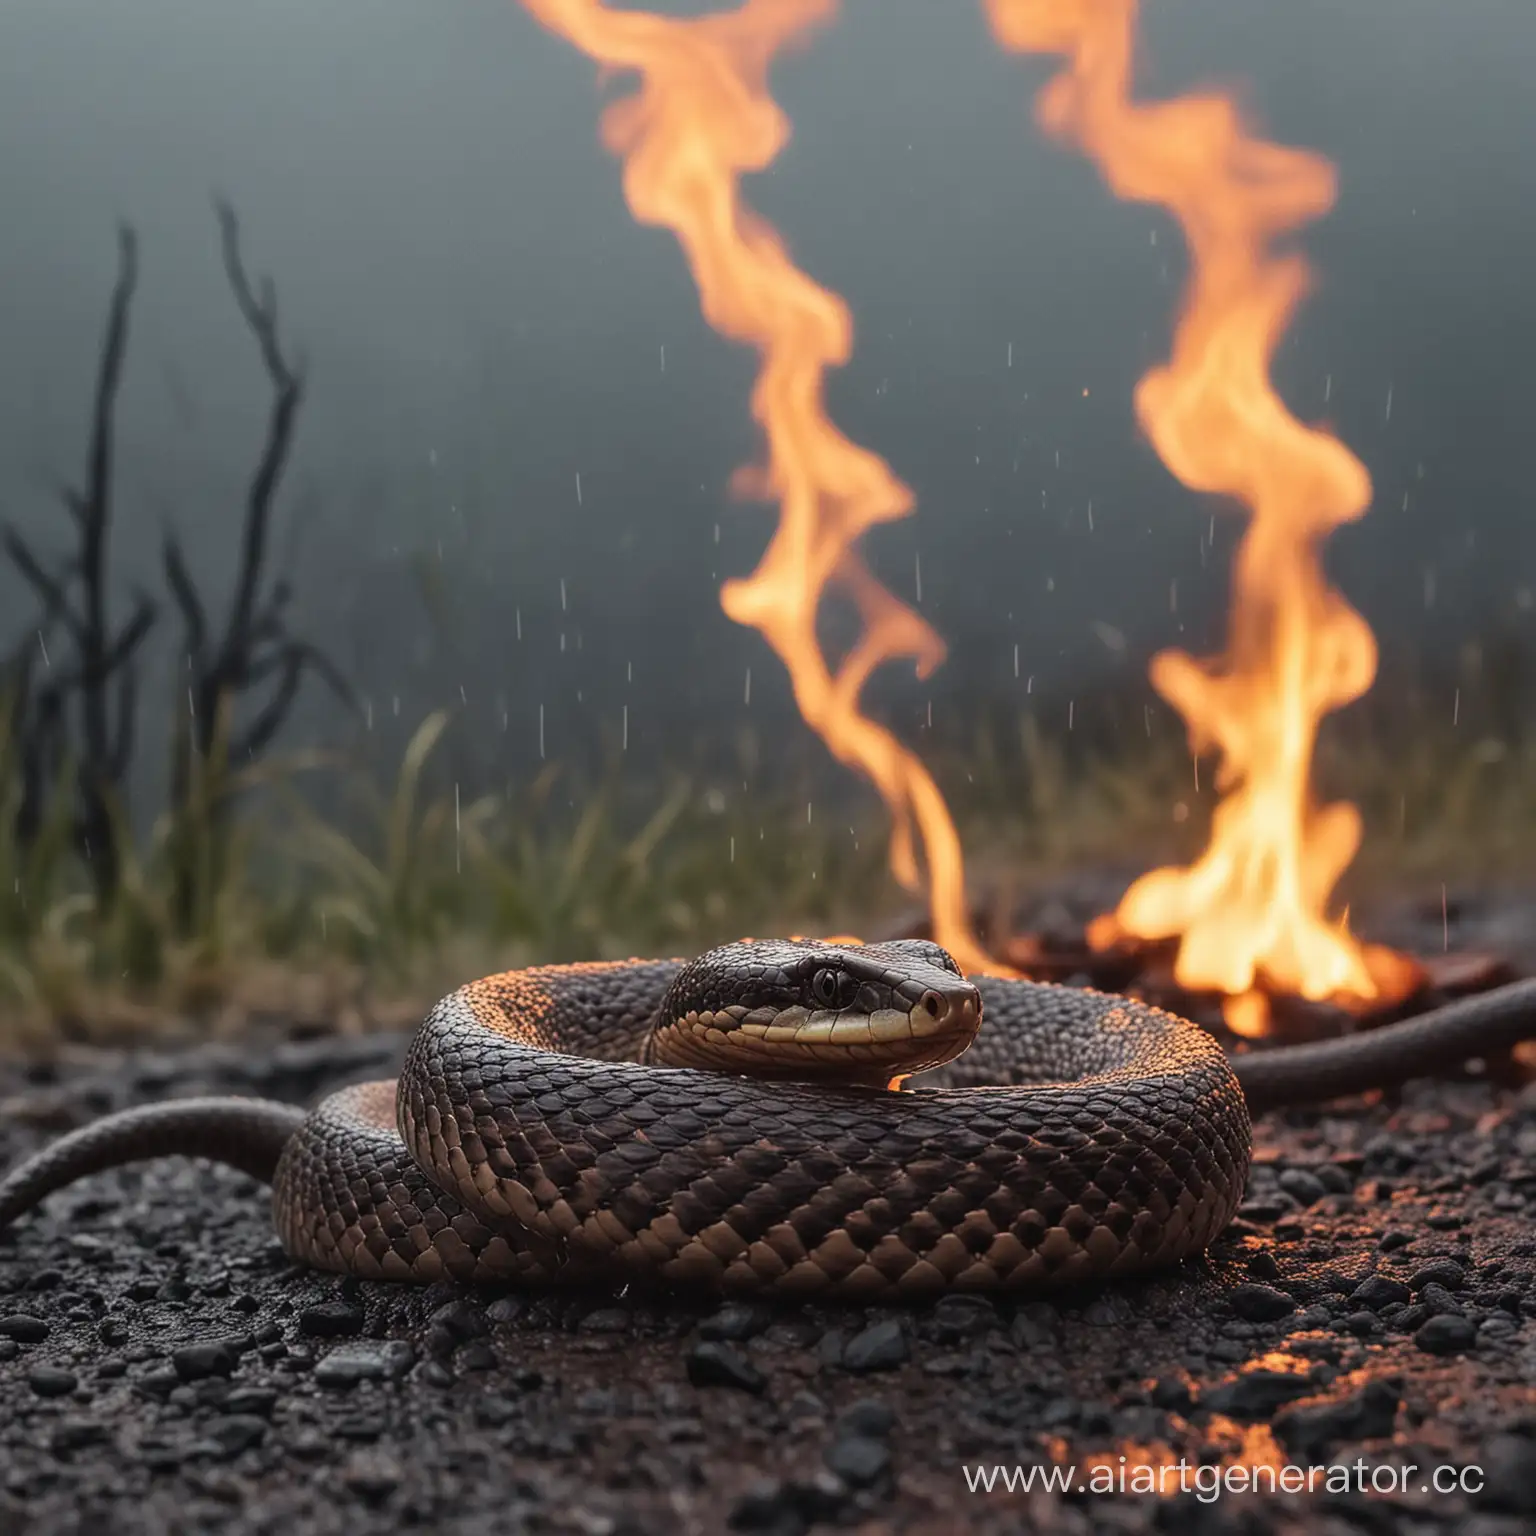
483 322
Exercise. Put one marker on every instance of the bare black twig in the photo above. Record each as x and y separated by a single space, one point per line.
254 648
99 673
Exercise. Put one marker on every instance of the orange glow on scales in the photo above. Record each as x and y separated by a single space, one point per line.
1252 910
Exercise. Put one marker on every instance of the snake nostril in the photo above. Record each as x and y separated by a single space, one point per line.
933 1004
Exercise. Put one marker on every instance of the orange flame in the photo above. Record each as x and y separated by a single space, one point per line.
1253 908
702 116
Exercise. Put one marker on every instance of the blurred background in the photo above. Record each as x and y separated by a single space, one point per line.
507 496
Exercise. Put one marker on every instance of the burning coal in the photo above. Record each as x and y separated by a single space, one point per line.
1252 913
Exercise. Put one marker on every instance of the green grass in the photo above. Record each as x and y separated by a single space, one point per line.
248 900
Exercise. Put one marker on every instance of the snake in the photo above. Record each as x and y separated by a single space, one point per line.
746 1123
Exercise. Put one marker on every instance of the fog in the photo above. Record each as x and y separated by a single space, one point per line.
483 323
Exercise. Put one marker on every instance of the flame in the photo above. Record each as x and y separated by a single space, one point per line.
702 116
1252 909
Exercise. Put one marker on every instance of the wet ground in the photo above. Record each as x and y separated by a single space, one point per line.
164 1369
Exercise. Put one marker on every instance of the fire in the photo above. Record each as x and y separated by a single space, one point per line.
701 117
1251 912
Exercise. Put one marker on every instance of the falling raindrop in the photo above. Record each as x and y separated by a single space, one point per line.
663 357
747 692
578 488
562 594
518 613
1389 402
541 733
624 746
1015 661
917 568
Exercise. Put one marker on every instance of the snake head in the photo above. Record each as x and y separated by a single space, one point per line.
828 1012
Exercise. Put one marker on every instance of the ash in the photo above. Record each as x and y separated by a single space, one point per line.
163 1368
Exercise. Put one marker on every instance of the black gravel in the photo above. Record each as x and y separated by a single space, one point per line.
163 1368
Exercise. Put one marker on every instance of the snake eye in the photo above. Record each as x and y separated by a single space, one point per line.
832 989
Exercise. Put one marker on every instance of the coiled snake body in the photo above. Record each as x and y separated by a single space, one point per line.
594 1123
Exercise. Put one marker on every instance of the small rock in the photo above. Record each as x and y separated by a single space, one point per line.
960 1316
713 1364
772 1508
237 1432
1378 1291
1111 1310
1262 1265
782 1508
1443 1272
1333 1178
1034 1326
375 1360
1261 1303
1434 1298
331 1320
77 1434
212 1357
1303 1187
371 1477
433 1373
243 1400
1313 1428
868 1417
505 1309
1447 1333
733 1322
160 1382
477 1355
24 1328
1172 1394
858 1459
52 1381
880 1347
1257 1393
1508 1486
605 1320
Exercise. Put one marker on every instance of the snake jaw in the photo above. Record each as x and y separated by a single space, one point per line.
858 1014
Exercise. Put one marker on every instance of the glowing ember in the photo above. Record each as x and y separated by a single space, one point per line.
1251 912
702 116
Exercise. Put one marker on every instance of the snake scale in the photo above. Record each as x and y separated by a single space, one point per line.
725 1125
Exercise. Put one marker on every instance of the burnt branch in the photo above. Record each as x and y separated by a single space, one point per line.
251 650
97 680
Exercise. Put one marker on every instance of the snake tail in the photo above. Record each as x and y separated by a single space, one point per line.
1380 1058
247 1134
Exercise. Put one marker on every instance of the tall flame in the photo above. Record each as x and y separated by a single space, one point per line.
702 116
1252 909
